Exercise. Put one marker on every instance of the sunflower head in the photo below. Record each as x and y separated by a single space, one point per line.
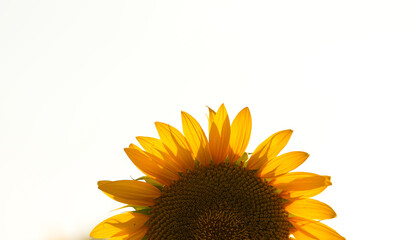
199 188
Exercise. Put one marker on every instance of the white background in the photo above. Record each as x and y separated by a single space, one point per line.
79 80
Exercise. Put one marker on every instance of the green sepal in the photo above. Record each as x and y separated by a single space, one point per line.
268 179
144 210
243 159
254 171
278 191
151 181
196 163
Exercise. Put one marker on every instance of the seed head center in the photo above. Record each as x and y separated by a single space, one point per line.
222 201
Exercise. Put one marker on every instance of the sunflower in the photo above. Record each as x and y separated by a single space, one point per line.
197 188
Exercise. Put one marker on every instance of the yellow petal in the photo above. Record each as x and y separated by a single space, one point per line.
300 184
176 145
296 181
121 224
148 166
240 134
139 235
152 145
196 138
210 118
219 138
302 193
131 192
133 236
103 182
269 149
168 164
155 146
310 209
308 230
282 164
157 152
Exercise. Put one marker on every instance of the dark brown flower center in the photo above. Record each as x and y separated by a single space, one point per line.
216 202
